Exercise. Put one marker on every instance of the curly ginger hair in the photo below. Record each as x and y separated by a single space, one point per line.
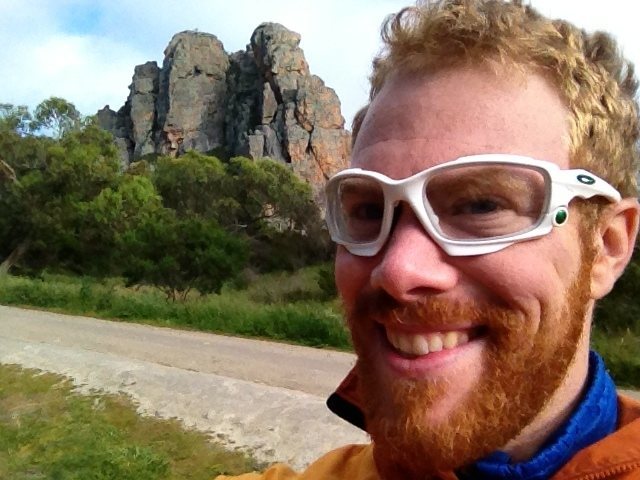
596 82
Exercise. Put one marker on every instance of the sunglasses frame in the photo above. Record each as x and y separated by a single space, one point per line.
562 186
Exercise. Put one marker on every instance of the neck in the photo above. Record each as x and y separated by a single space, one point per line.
558 408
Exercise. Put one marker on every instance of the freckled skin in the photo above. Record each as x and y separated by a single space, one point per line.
421 121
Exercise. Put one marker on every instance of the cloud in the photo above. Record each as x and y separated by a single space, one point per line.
85 51
86 70
87 55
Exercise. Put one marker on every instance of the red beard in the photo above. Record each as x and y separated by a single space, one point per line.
520 372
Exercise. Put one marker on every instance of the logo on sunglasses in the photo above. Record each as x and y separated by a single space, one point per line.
586 179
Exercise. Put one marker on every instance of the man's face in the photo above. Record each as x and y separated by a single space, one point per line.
505 327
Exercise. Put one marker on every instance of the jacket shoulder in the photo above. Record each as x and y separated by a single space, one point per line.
628 408
616 456
352 462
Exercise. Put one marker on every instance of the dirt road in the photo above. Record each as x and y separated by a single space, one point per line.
257 395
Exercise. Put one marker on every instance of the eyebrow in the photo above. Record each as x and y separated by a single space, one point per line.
517 177
360 186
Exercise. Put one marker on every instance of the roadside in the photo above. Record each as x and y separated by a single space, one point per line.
190 375
309 370
631 393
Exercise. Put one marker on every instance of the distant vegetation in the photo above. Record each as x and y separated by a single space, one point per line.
235 245
195 222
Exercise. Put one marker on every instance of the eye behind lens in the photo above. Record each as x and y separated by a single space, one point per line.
358 207
487 201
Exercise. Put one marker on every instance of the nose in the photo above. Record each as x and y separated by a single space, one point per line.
412 265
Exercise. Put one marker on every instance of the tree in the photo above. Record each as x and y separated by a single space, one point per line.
43 208
261 200
15 118
268 192
58 116
19 155
195 184
105 219
277 211
177 255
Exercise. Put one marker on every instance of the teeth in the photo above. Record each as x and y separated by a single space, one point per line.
435 342
420 344
450 340
405 343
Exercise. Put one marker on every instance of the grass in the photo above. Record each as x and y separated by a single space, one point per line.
47 431
291 307
621 352
281 307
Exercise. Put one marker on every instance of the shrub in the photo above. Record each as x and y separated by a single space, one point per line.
178 255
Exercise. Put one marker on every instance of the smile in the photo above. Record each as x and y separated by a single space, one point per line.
422 344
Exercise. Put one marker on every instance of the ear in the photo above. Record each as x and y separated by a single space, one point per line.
615 241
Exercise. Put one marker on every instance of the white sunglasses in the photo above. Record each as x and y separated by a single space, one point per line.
470 206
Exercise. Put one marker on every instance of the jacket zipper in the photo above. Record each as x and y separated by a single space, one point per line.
612 471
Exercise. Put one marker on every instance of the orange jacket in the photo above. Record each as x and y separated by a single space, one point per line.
616 457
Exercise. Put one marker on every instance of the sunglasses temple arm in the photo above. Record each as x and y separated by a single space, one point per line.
583 184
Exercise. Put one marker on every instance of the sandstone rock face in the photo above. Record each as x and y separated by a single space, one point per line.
243 100
107 118
279 58
299 119
143 95
119 124
193 89
261 102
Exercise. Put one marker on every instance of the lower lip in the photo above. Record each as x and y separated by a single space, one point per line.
433 364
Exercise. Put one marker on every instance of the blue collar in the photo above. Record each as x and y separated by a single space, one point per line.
595 417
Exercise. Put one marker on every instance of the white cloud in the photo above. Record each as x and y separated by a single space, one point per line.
43 56
85 70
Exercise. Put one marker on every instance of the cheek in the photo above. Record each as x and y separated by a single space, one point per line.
531 277
352 275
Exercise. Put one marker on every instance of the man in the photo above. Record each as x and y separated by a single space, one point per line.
491 202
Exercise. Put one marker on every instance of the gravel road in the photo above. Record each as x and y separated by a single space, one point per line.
264 397
260 396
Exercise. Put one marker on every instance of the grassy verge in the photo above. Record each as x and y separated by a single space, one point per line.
284 307
49 432
280 307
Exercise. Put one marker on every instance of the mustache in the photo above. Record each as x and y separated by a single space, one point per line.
432 311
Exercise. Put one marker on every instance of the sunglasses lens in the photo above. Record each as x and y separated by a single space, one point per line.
486 201
357 207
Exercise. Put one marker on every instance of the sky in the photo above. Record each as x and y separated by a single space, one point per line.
85 50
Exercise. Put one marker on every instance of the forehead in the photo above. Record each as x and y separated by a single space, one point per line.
419 121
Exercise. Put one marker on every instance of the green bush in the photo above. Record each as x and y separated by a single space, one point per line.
327 281
179 255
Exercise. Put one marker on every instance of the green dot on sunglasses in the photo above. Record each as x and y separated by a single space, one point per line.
561 216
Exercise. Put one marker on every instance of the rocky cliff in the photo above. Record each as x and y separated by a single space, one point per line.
261 102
